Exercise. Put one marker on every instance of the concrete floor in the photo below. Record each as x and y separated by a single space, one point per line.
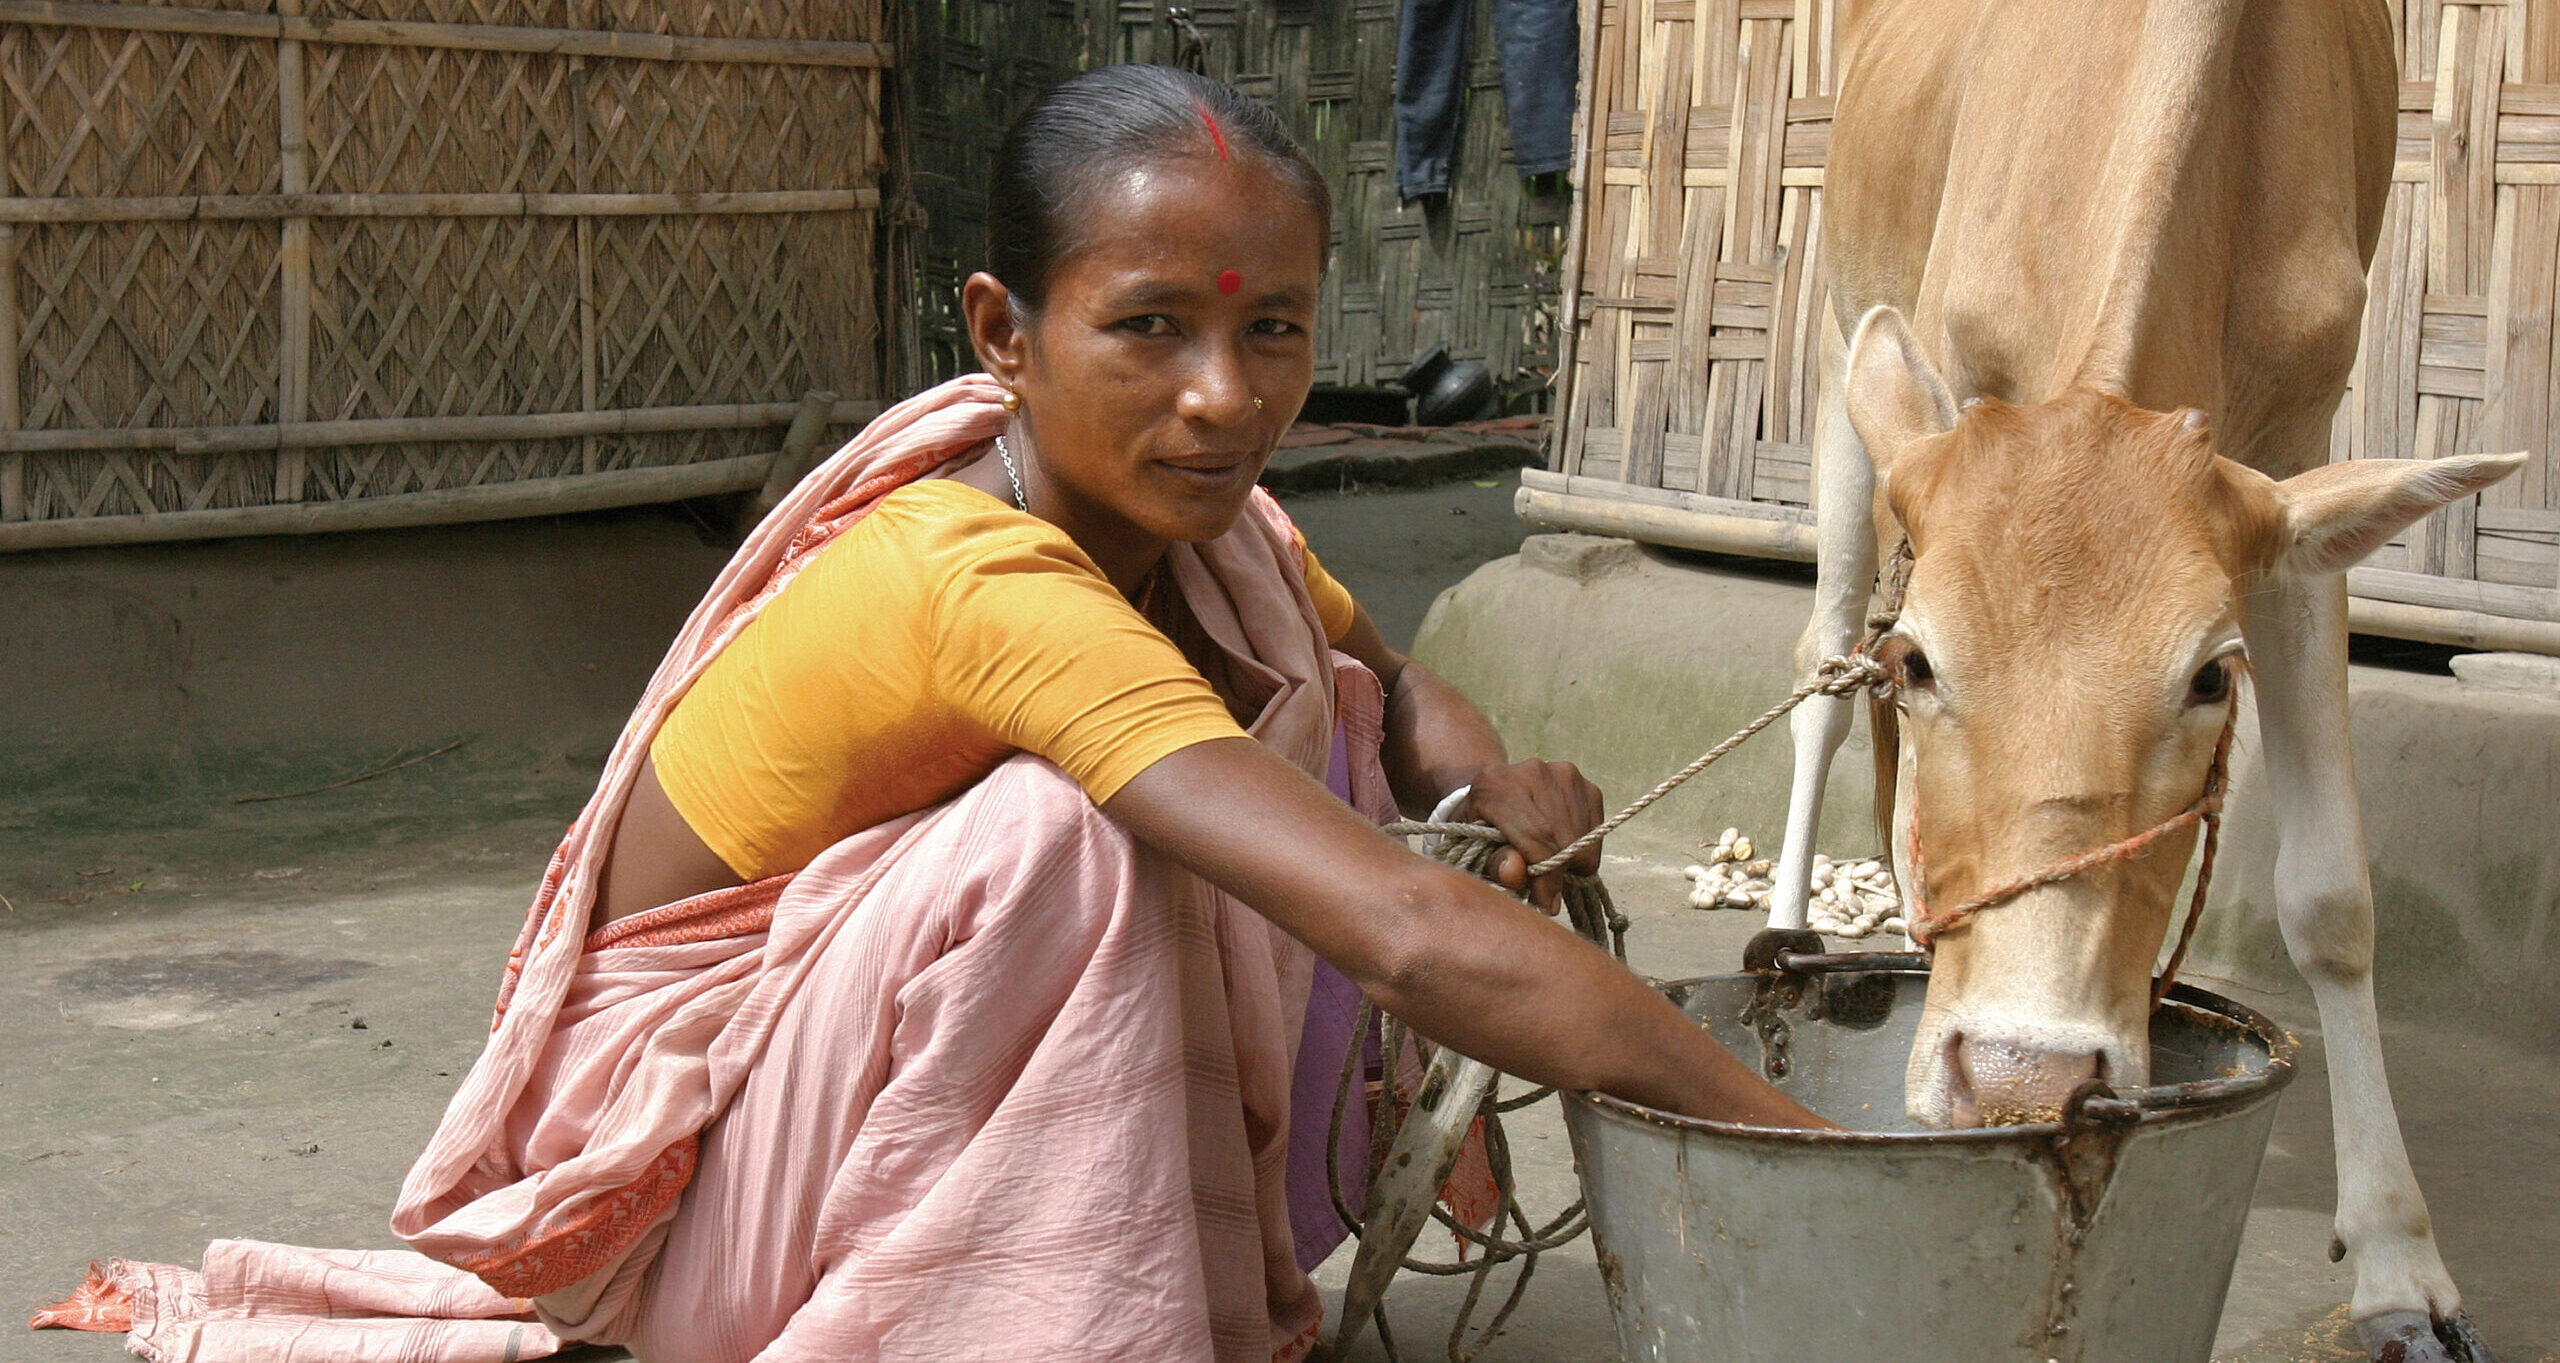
243 1019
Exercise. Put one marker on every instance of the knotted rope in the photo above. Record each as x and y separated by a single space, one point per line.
1926 927
1472 847
1838 676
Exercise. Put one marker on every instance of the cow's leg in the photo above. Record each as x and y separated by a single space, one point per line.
2297 633
1844 504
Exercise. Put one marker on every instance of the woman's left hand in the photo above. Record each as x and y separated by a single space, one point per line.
1541 807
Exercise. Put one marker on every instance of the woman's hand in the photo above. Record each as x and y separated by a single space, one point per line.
1437 740
1466 964
1541 807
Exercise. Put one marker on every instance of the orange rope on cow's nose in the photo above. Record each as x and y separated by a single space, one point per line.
1926 927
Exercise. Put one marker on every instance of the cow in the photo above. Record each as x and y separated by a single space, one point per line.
2097 270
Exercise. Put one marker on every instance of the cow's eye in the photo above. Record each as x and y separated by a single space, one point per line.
2212 684
1909 666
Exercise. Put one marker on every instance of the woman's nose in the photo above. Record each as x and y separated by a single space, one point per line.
1220 391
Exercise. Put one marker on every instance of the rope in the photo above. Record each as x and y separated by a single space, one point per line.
1472 846
1927 927
1838 676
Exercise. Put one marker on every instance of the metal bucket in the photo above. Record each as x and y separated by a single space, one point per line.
2107 1237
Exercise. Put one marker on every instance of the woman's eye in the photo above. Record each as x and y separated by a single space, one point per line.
2212 683
1148 324
1273 326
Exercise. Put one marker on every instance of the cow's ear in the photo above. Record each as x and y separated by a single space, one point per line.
2337 514
1895 397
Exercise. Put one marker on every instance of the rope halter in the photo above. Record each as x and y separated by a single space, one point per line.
1927 927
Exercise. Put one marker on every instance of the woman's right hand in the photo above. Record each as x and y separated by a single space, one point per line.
1467 965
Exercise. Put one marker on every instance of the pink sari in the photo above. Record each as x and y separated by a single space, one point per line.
986 1081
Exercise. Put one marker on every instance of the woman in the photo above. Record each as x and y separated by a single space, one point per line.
926 976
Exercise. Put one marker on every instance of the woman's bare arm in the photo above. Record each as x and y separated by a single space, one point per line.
1437 740
1467 965
656 857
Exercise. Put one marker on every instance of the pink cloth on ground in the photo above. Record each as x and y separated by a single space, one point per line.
1055 1069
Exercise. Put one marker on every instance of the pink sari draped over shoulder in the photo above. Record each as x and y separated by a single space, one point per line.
985 1081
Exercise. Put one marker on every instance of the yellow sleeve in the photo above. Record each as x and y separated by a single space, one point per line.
1033 644
1334 607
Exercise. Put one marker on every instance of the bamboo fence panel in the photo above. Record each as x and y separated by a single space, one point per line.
1695 283
295 264
1477 272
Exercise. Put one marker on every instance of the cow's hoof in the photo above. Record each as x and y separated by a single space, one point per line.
2410 1337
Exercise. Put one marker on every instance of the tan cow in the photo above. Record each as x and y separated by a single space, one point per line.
2097 268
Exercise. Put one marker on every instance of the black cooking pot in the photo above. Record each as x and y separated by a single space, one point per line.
1445 391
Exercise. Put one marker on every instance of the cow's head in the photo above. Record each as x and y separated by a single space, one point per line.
2067 656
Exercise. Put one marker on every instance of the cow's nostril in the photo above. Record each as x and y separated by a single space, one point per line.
2013 1084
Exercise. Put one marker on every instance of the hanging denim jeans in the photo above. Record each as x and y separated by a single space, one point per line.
1541 58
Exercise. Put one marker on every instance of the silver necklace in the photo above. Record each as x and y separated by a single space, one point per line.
1020 502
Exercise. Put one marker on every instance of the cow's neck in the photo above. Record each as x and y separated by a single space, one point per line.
2077 216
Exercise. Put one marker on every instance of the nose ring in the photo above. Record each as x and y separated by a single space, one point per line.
1257 404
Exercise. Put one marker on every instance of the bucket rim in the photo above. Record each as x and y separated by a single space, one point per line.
2160 1105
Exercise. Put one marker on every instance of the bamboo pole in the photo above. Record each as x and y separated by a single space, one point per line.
1679 520
13 466
257 207
581 151
397 430
293 282
2443 592
449 506
799 455
1563 446
459 37
2461 629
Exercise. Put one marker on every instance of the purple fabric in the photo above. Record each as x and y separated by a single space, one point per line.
1333 1004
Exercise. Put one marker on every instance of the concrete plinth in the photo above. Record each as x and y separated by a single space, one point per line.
1630 662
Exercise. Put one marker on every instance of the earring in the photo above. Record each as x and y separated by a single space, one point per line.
1012 401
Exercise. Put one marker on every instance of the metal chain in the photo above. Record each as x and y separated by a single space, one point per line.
1005 453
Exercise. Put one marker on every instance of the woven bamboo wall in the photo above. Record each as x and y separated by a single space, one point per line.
1696 286
1479 275
268 266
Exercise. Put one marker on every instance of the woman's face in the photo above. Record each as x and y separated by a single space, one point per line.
1173 349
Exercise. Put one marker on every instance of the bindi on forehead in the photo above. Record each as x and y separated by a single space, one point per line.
1229 281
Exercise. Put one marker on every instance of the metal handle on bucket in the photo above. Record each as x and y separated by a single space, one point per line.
1801 952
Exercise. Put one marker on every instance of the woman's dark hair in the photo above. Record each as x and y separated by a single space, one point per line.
1097 125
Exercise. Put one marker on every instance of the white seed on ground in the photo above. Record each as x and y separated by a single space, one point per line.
1852 896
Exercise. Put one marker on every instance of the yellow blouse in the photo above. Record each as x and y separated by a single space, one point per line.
941 635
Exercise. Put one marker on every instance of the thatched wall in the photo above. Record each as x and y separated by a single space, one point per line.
271 265
1695 282
1479 277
